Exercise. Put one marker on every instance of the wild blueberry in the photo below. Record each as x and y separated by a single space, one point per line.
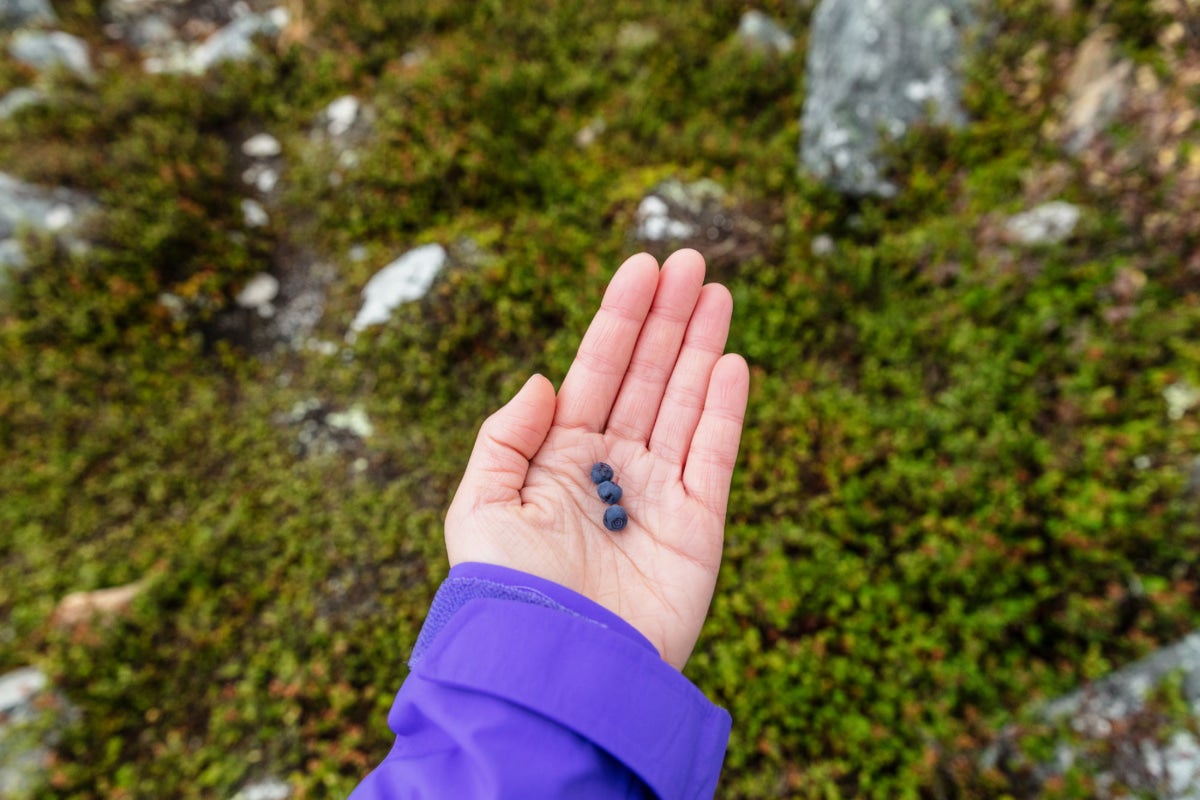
615 518
609 492
601 472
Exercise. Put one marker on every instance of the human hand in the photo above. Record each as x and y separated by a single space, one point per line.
651 394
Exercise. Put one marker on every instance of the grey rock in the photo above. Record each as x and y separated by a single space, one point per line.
405 279
759 32
152 31
30 713
1049 223
233 42
19 98
45 50
677 210
17 13
24 206
1167 767
874 68
254 215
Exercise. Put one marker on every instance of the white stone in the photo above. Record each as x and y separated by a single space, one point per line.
259 291
44 50
21 97
407 278
1181 398
758 30
353 420
1049 223
269 789
19 687
341 114
59 217
262 145
253 213
823 245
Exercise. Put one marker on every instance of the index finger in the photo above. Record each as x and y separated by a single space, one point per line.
587 393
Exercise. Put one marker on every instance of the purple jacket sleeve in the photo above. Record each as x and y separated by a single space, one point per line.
521 688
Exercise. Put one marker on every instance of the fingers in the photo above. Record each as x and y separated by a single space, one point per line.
714 446
506 443
587 393
654 358
684 399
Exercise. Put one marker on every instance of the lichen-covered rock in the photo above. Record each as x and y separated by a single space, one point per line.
876 67
30 716
25 207
1049 223
16 13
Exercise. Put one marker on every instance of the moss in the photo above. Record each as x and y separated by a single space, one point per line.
943 492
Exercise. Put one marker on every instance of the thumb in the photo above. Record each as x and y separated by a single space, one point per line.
506 443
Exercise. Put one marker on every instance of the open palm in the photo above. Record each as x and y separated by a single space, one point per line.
651 394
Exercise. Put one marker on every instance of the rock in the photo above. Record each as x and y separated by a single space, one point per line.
759 32
407 278
24 206
823 245
259 291
262 145
677 210
1049 223
19 98
19 13
324 432
1181 398
1096 89
233 42
29 715
1163 766
102 605
44 51
253 214
151 32
353 420
269 789
340 115
261 177
872 66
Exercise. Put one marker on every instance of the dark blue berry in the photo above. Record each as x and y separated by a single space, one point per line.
601 472
615 518
609 492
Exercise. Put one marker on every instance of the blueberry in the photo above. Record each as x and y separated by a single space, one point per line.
601 472
609 492
615 518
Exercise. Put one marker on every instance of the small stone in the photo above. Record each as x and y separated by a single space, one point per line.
341 114
269 789
260 291
405 279
759 32
823 245
635 36
44 50
253 213
1181 398
1049 223
262 145
19 98
353 420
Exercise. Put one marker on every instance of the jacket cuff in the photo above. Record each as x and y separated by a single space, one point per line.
613 690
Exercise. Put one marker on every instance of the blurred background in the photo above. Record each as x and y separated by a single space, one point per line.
266 267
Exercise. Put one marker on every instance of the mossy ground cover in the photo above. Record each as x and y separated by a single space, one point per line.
958 489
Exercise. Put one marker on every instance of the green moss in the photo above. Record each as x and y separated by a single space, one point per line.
943 492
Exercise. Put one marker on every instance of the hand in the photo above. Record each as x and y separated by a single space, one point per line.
651 394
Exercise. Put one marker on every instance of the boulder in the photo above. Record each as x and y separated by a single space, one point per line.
875 68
